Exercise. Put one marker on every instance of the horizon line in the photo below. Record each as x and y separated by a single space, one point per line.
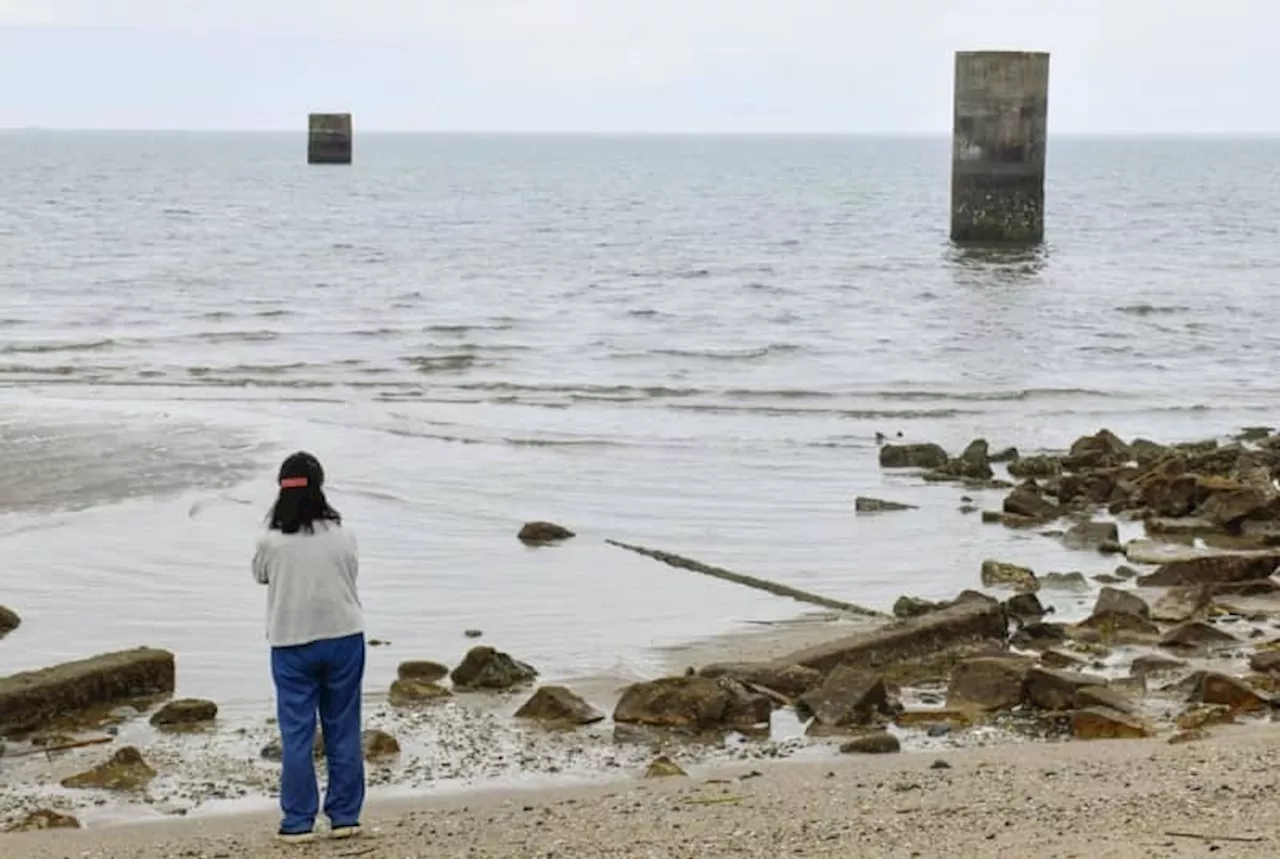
302 131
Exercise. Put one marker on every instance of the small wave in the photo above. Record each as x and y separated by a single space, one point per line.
236 336
1152 309
463 328
995 396
9 322
564 442
44 348
375 332
585 390
442 363
780 394
170 210
217 315
29 370
857 414
273 314
750 354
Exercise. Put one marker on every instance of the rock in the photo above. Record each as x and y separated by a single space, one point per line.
472 633
912 456
966 624
1158 552
968 595
1184 525
1061 660
1210 687
929 719
487 668
863 504
1179 605
1265 661
991 683
1008 454
1025 606
412 693
1036 466
541 533
1102 696
1056 690
1193 736
881 743
1108 579
1064 582
1155 664
974 463
1026 501
790 680
1125 573
183 712
848 696
1201 717
1209 569
693 703
34 698
9 621
663 767
1228 506
1039 636
378 745
1120 628
1146 452
1088 488
1196 635
556 706
1102 723
423 670
906 607
1102 450
1000 575
1091 535
125 771
44 818
1121 602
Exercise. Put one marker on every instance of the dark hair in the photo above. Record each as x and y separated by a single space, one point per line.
301 500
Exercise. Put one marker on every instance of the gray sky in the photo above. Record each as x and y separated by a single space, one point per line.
627 65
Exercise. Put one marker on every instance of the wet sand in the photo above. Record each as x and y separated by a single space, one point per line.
1118 799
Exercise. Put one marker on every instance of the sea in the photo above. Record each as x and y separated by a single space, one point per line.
685 342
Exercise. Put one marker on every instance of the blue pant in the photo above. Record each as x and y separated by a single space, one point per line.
326 677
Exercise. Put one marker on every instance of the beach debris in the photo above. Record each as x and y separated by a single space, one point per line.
780 677
694 704
422 669
680 562
1103 723
35 698
996 574
541 533
557 706
913 456
487 668
44 818
879 743
408 692
185 712
863 504
9 621
663 767
849 696
62 745
1242 839
988 683
126 770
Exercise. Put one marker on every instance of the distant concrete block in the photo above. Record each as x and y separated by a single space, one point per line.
998 147
329 138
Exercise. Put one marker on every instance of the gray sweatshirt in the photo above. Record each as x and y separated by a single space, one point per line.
311 584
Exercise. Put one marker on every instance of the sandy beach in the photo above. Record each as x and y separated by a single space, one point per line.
1116 799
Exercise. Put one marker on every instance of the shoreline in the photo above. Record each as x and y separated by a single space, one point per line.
1123 799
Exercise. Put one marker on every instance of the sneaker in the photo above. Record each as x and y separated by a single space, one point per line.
295 837
351 831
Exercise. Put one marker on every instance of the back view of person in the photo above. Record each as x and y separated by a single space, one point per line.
315 625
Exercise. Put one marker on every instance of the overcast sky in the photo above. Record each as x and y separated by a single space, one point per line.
627 65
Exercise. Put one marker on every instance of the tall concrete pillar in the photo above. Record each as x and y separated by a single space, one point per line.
329 138
998 143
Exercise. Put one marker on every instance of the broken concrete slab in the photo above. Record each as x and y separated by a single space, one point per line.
34 698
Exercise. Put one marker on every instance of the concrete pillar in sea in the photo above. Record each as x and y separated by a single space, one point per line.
998 147
329 138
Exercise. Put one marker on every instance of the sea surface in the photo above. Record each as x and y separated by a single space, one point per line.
684 342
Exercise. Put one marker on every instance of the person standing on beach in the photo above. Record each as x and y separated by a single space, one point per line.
315 625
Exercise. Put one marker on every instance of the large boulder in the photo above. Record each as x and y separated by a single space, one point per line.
34 698
989 683
541 533
1104 449
848 696
912 456
1210 687
1211 569
996 574
126 770
556 706
693 703
1049 689
1025 607
9 621
422 670
1179 605
1197 636
1118 627
487 668
185 712
966 624
1227 505
789 679
1265 661
1121 602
